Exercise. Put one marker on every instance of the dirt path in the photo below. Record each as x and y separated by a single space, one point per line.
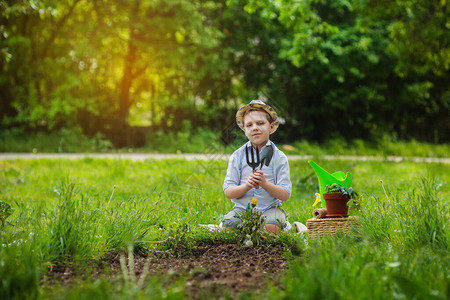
200 156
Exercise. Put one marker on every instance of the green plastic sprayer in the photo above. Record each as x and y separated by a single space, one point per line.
326 178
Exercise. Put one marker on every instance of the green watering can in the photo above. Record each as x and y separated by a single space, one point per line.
326 178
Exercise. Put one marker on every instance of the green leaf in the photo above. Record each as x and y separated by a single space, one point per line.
5 211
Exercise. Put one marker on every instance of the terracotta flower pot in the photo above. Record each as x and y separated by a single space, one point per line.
336 204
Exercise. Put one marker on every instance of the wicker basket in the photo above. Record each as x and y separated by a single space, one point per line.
320 227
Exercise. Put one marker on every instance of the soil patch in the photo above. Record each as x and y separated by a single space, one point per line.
212 270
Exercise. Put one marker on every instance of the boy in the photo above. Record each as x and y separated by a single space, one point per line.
270 185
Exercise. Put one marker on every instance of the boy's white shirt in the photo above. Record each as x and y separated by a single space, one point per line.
277 172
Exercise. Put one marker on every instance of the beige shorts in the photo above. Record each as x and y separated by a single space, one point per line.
231 220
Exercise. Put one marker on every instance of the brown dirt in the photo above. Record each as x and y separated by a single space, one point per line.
210 270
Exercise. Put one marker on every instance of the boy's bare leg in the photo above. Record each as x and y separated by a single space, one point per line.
272 228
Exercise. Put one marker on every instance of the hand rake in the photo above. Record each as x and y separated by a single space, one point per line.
264 159
252 163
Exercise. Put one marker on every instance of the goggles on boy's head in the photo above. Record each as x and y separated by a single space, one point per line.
256 104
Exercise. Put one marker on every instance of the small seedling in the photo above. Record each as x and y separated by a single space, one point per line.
337 188
252 223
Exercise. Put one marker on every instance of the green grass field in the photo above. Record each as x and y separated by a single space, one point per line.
74 211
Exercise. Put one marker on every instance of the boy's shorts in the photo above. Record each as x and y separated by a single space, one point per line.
231 221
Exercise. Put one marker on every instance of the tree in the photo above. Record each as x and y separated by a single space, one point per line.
107 54
346 80
418 33
419 42
105 65
28 60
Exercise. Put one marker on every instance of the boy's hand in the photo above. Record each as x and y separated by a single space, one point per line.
252 181
259 175
256 179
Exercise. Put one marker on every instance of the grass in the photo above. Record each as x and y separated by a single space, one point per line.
74 211
66 140
201 140
386 146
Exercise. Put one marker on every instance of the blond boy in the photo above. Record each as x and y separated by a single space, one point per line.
270 185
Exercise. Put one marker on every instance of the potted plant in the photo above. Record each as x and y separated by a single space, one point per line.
336 199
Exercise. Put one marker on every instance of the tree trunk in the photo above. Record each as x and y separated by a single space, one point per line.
125 85
128 75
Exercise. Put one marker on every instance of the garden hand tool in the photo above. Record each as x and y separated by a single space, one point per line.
326 178
266 155
252 163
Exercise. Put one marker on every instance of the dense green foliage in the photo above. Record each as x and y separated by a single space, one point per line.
74 211
210 143
351 69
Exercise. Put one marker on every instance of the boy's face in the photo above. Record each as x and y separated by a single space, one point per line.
257 128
